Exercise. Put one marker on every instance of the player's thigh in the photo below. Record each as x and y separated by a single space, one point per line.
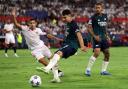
67 51
12 39
7 39
96 48
37 54
46 52
104 45
106 53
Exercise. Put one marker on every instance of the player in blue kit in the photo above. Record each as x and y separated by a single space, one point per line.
97 28
71 43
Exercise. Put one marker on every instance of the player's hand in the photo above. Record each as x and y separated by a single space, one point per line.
109 40
97 38
84 48
50 36
14 12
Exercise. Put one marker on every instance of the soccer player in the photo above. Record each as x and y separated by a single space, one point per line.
71 43
32 37
9 37
97 28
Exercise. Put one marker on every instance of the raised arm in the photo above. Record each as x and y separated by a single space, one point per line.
14 18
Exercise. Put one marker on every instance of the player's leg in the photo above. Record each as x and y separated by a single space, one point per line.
56 57
40 54
55 71
92 61
14 49
64 52
7 40
105 50
53 68
6 49
37 53
105 62
96 50
12 41
47 53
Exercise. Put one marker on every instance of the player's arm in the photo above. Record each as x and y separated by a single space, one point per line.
90 30
5 31
54 37
107 34
49 35
14 18
81 42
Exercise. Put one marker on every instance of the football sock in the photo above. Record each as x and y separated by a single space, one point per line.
55 72
14 48
53 62
104 65
6 50
90 63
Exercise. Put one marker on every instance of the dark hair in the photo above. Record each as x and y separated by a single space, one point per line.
100 3
33 19
66 12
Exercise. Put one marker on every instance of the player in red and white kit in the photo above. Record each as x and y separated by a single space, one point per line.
9 37
32 37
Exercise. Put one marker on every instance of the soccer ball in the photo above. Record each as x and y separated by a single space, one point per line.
35 81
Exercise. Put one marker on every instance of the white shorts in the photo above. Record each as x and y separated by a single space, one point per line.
41 52
9 38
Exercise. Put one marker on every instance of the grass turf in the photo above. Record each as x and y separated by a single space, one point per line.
15 72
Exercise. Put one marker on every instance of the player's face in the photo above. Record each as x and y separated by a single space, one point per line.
67 18
98 9
8 21
32 24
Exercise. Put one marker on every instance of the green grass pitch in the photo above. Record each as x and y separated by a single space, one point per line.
15 72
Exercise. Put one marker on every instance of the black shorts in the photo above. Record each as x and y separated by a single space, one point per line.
102 44
67 51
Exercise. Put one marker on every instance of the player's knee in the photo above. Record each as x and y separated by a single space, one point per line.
60 53
6 46
13 45
107 54
96 53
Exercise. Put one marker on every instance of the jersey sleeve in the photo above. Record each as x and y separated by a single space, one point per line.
90 21
76 27
5 27
40 32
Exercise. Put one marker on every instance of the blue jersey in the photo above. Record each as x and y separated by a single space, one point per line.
71 37
99 25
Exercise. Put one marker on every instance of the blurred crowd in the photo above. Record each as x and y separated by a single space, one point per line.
48 13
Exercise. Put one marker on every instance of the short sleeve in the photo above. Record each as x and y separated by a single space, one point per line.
75 27
5 27
90 21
